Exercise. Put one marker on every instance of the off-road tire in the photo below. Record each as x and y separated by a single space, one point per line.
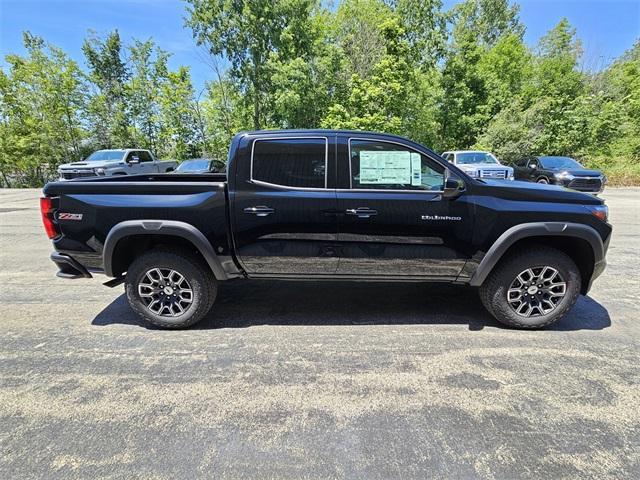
542 180
197 274
493 292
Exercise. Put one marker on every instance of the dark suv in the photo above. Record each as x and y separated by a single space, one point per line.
564 171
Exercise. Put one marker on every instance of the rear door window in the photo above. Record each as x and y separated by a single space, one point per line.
290 162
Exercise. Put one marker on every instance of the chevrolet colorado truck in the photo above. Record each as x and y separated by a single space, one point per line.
326 204
107 163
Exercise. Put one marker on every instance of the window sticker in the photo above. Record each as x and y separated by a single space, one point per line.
390 167
416 169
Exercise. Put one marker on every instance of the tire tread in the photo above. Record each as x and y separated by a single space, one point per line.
497 278
148 259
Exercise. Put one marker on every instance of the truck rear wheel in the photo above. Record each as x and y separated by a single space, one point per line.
170 289
532 289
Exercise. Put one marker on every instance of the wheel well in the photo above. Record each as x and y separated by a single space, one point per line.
129 248
577 249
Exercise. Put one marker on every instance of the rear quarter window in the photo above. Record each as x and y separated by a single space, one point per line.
288 162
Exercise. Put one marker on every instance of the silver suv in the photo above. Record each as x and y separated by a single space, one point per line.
479 164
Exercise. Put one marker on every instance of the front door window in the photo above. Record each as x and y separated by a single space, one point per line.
387 166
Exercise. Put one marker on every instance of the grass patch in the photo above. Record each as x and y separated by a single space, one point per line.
620 172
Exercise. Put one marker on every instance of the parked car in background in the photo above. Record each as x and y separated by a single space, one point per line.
106 163
201 165
479 164
564 171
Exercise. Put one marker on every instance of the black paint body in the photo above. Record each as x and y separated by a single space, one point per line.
308 233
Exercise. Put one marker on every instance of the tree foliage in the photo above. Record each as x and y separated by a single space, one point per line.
449 79
42 102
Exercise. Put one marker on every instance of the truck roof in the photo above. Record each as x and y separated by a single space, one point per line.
122 150
318 131
321 131
465 151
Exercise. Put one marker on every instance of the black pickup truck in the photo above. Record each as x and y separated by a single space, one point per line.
320 204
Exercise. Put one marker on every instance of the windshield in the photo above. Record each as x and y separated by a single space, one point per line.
559 162
467 158
193 166
105 155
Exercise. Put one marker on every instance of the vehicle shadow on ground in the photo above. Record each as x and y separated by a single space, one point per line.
242 304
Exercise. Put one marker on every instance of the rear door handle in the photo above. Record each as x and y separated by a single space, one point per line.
362 212
259 211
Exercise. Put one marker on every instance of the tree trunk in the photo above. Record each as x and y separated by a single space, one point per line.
256 92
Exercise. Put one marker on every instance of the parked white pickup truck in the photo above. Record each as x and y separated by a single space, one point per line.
115 162
479 164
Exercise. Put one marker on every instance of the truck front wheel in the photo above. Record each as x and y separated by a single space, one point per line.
533 288
170 289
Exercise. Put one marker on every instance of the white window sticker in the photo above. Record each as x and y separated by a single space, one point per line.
390 167
416 169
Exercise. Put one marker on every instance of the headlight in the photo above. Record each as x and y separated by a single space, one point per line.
510 175
99 171
563 176
472 173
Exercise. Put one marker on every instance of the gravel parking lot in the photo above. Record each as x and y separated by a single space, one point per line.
313 380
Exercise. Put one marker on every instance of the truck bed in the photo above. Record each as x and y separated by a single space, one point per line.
89 209
167 182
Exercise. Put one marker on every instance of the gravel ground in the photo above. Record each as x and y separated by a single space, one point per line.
313 380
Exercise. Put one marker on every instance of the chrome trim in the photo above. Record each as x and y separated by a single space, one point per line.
163 184
381 190
284 187
351 189
285 137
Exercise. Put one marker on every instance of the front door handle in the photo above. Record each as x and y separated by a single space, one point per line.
259 211
362 212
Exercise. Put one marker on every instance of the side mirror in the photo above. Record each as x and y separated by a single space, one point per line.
533 166
453 185
133 160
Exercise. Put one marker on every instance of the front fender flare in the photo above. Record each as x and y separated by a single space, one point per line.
536 229
161 227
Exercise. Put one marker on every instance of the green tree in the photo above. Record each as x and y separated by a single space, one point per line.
358 33
108 73
478 28
552 112
41 105
179 124
378 103
143 93
252 34
224 116
425 29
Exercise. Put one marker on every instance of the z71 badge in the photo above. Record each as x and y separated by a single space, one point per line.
69 216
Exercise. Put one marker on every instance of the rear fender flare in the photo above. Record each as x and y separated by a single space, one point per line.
536 229
161 227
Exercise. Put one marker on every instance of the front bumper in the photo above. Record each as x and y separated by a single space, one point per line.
64 175
599 266
68 267
593 185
